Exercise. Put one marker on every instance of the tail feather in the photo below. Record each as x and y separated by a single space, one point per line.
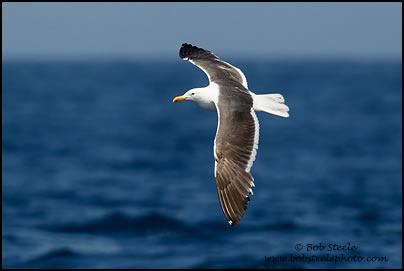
271 103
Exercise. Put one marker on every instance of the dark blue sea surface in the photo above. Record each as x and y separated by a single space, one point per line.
101 170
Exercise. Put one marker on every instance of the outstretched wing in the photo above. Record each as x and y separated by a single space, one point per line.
236 144
211 64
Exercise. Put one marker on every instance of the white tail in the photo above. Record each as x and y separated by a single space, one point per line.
271 103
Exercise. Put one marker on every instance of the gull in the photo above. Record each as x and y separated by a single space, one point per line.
237 134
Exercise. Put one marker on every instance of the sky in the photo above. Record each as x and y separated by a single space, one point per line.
156 30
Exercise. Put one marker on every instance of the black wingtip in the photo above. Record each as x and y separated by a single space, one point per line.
189 51
182 49
186 44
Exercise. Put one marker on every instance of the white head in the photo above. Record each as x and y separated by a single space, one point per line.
201 96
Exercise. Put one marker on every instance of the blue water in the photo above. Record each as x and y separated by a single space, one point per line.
101 170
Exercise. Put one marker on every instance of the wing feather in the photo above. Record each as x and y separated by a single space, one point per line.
214 68
236 142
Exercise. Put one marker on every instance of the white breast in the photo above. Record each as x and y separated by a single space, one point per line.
207 105
208 96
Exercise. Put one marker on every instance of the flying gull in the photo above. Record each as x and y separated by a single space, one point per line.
237 133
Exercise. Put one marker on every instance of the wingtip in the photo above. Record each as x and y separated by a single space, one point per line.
186 50
185 44
189 51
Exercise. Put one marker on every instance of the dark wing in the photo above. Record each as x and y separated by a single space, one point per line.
235 148
214 68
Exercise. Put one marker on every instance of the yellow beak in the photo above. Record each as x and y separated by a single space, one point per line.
179 98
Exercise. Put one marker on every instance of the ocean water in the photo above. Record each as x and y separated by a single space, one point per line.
101 170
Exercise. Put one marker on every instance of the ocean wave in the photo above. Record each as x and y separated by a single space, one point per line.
118 222
156 223
55 258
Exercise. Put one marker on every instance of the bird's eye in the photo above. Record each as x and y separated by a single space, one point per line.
193 93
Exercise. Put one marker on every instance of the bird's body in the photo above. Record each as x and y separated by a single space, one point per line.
237 134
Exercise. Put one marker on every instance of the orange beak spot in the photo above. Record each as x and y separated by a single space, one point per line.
179 98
